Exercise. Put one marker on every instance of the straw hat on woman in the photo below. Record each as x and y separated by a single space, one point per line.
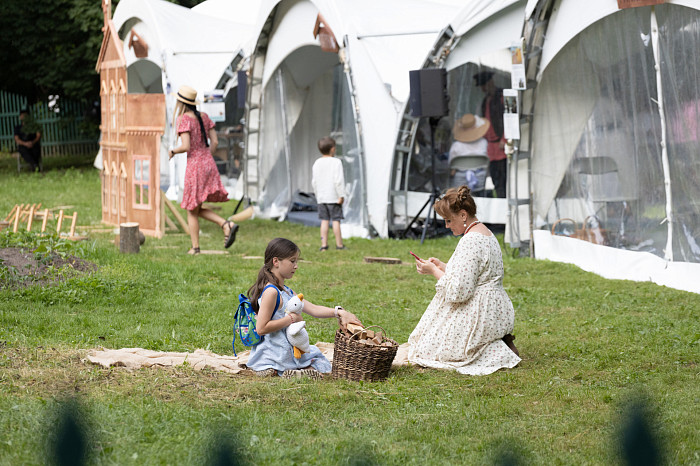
202 181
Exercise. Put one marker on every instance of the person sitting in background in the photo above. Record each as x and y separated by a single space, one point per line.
468 133
27 137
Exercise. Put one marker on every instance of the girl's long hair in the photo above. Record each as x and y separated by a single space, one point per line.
280 248
180 108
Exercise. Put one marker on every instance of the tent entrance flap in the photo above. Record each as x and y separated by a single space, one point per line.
295 117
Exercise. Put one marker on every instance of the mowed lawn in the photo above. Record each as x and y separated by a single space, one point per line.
589 347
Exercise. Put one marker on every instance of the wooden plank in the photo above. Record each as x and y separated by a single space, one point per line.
43 222
170 225
72 224
60 222
18 212
31 217
22 211
383 260
12 212
177 215
26 212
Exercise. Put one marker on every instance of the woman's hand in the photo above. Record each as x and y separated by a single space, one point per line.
438 263
171 154
432 266
295 317
425 267
345 318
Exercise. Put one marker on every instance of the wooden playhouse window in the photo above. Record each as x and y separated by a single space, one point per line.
141 182
122 188
104 96
113 194
122 104
113 105
105 188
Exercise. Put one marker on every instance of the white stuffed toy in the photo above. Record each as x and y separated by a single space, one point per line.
296 332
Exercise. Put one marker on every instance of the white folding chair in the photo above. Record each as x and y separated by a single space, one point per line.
477 163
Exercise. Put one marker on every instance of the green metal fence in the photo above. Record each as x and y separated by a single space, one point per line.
64 126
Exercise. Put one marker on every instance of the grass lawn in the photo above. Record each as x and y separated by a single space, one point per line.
589 345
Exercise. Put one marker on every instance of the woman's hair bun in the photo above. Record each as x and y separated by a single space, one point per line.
463 194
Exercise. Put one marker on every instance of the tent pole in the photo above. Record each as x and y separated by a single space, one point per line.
668 253
285 130
344 57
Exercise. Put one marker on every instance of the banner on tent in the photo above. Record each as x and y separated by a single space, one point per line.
214 105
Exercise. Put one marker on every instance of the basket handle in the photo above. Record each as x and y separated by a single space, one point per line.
554 225
370 326
594 217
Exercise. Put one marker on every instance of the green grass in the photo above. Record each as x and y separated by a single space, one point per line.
588 344
8 162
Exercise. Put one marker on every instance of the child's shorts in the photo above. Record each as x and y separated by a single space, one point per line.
333 212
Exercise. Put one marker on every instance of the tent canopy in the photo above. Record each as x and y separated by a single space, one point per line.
615 141
380 43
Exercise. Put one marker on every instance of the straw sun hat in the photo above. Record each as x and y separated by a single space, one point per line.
470 127
187 95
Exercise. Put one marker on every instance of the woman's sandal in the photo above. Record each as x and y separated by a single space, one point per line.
193 251
323 248
231 233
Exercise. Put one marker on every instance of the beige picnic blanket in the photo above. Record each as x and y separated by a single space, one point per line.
135 358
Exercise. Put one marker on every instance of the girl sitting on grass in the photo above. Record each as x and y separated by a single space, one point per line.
269 296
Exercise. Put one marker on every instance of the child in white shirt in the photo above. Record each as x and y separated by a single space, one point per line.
329 187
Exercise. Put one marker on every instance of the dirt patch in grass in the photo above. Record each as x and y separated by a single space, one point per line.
27 268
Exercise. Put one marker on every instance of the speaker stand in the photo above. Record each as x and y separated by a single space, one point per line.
434 195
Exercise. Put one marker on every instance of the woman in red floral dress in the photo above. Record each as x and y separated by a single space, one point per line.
202 181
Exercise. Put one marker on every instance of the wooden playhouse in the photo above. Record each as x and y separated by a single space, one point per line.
132 126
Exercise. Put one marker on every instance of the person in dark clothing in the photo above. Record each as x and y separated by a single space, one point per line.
492 109
27 137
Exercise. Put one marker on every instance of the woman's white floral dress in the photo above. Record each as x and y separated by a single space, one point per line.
470 313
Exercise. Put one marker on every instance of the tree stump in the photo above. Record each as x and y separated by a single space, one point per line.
129 241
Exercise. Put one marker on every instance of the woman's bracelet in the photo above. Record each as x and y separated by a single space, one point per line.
336 310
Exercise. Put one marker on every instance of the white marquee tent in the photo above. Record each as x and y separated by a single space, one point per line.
616 141
299 93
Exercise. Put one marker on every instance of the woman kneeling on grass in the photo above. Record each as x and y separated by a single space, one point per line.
269 296
467 326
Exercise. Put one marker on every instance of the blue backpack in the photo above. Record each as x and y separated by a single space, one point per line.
244 323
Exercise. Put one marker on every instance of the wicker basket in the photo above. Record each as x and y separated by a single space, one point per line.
353 360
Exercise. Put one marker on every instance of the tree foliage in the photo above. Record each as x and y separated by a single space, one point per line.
51 47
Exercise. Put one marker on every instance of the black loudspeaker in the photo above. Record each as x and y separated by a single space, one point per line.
429 92
242 89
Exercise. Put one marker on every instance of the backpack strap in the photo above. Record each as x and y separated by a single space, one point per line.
277 304
243 301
